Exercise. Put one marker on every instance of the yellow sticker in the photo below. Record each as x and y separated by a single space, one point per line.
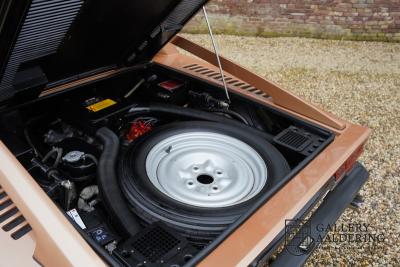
101 105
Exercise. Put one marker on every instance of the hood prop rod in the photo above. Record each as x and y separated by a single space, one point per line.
214 44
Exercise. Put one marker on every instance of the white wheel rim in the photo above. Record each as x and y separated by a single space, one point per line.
206 169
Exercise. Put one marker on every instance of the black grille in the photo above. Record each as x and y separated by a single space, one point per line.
10 218
182 12
293 139
155 244
44 29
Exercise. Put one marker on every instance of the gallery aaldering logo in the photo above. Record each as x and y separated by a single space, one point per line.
302 236
297 231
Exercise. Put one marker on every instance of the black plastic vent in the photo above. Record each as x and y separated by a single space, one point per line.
293 138
182 12
10 218
229 80
44 28
155 244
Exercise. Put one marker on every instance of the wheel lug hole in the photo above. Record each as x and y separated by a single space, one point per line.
219 172
215 188
190 183
195 168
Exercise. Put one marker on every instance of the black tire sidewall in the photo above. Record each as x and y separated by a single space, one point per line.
144 196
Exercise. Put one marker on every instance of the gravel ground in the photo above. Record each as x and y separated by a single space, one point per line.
360 82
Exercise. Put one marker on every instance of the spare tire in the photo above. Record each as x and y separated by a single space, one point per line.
198 177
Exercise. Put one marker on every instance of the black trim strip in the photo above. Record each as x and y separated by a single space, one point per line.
327 214
8 214
266 254
2 195
14 223
5 204
21 232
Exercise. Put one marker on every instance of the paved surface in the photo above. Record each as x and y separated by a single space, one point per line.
360 82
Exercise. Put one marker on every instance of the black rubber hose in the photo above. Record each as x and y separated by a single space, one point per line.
195 114
110 191
231 113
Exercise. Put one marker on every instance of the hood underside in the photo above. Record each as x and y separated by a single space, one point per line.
44 42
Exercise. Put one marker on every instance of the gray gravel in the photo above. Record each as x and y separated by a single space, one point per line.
360 82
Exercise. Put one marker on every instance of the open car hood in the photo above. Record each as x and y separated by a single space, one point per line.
48 42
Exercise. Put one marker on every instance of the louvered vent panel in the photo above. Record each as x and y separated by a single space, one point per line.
44 28
208 73
293 138
11 220
181 13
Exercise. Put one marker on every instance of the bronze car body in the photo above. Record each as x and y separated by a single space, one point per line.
53 241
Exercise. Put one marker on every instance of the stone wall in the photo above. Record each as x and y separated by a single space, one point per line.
337 19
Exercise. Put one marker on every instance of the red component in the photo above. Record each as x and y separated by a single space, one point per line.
170 85
138 128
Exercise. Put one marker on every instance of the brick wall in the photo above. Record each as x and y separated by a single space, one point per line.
339 19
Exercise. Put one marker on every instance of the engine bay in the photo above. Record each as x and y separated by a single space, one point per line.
154 167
